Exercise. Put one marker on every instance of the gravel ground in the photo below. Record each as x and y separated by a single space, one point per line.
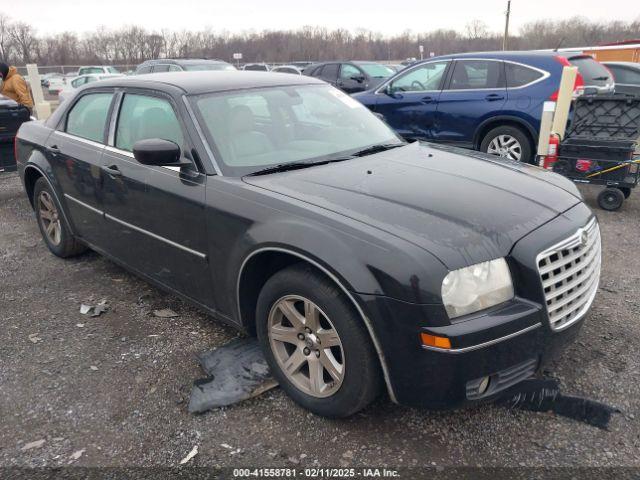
112 390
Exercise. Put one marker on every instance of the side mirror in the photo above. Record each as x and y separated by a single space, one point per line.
358 78
158 152
389 90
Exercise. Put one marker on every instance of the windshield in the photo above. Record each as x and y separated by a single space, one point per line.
257 128
376 70
201 67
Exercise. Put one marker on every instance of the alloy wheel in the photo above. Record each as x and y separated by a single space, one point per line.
505 146
49 218
306 346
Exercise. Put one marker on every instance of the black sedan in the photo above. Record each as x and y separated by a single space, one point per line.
285 208
351 77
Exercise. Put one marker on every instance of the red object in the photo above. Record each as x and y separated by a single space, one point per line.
552 152
583 165
578 87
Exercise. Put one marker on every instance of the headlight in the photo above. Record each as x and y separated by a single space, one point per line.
476 287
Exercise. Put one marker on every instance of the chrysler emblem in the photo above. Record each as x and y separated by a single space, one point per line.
584 238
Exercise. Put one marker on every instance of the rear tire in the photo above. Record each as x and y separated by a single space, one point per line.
53 227
304 323
508 142
610 199
626 191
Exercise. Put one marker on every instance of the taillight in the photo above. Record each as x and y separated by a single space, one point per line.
552 152
578 87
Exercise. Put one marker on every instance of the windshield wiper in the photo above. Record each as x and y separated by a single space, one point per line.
377 148
284 167
600 78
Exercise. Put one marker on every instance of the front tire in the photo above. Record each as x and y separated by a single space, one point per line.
315 343
508 142
55 231
610 199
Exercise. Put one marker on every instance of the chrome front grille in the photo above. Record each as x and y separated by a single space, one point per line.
570 272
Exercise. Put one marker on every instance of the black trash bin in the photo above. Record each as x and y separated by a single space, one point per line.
12 115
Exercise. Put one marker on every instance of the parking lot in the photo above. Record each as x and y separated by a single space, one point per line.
112 390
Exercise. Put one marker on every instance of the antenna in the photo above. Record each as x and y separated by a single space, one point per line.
559 44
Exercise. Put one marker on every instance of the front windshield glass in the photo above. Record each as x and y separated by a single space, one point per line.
253 129
375 70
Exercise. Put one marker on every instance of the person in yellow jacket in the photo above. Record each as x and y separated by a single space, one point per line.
12 85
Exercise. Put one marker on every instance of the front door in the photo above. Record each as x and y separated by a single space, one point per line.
156 214
476 91
75 153
351 79
409 102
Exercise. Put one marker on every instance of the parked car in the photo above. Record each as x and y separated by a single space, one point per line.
626 76
487 101
57 84
285 208
47 77
72 85
350 77
256 67
12 115
182 65
287 69
302 64
97 70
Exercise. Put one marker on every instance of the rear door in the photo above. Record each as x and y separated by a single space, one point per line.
476 90
409 102
155 215
75 151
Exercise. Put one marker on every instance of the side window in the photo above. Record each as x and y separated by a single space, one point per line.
142 117
476 74
624 75
174 68
91 79
519 75
78 82
316 72
143 70
427 77
88 117
330 72
348 71
160 68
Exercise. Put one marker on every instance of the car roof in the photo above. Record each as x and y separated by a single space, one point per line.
509 55
181 61
195 83
624 64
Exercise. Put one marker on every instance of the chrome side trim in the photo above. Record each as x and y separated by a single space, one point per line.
367 322
203 139
482 345
79 139
124 153
85 205
157 237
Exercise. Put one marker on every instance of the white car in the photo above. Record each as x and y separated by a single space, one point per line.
287 69
97 69
71 85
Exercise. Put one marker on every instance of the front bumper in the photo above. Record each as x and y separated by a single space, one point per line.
508 342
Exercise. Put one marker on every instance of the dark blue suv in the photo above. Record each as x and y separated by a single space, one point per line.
487 101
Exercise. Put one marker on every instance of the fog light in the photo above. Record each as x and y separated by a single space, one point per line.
484 385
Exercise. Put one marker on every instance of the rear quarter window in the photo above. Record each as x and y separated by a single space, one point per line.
520 75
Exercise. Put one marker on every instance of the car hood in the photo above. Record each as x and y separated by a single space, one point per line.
462 208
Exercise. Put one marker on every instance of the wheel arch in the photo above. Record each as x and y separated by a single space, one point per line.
504 120
264 262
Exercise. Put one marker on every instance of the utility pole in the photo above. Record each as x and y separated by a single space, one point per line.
506 27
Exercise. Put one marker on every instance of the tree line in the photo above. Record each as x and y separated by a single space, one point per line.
20 43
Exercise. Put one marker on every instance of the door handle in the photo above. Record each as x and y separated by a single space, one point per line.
112 170
427 99
53 149
492 97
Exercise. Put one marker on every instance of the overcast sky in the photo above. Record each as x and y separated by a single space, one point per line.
386 16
